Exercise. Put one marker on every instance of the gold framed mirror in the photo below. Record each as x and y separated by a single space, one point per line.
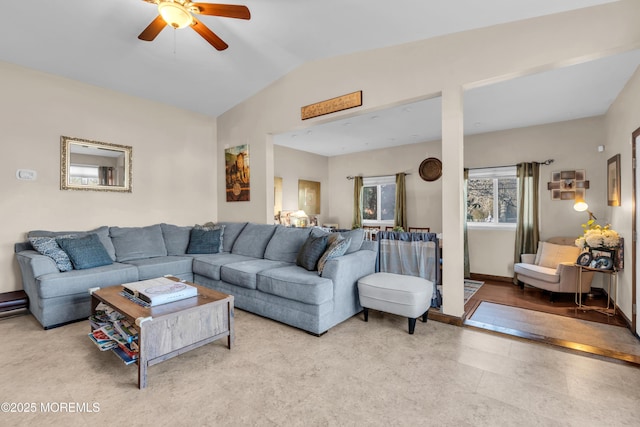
94 166
309 196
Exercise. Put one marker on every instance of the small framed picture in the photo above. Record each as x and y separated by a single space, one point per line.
602 263
584 259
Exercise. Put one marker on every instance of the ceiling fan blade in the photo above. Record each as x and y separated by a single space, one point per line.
225 10
208 35
153 29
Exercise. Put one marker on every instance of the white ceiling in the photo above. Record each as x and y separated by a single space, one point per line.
96 42
569 93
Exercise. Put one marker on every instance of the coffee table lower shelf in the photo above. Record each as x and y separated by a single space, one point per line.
168 330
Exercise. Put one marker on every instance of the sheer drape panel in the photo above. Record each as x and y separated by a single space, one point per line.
357 202
527 226
412 254
400 214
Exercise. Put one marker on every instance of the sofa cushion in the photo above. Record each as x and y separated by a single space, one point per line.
296 283
286 243
102 232
150 268
539 272
253 240
48 246
138 242
176 238
209 265
337 248
551 254
204 240
231 232
79 281
244 273
311 252
85 252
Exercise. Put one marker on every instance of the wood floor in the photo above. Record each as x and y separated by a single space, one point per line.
563 304
540 300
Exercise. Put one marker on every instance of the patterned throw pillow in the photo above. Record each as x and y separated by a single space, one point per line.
85 252
311 252
337 248
48 246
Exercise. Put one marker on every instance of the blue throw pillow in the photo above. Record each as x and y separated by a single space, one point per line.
48 246
337 248
311 252
85 252
205 241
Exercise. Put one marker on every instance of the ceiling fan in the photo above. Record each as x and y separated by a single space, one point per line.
180 14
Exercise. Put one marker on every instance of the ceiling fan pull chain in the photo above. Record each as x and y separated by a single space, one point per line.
174 42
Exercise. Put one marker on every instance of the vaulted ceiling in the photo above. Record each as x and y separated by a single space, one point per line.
96 42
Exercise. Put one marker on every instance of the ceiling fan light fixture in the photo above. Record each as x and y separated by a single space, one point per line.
175 14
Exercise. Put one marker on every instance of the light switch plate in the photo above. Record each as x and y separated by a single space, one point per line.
26 175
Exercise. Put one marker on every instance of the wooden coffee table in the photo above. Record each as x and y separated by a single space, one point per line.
168 330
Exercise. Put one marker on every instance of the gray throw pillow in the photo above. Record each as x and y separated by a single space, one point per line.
48 246
85 252
311 252
205 241
210 226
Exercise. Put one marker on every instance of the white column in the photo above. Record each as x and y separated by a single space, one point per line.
452 203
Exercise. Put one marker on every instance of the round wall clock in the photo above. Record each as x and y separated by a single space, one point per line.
430 169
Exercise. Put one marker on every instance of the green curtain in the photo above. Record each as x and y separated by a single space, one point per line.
527 227
400 214
467 268
357 202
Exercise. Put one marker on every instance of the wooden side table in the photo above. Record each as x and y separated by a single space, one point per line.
612 282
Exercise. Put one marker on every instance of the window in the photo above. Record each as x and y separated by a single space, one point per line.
378 199
492 196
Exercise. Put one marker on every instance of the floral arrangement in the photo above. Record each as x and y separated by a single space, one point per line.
597 236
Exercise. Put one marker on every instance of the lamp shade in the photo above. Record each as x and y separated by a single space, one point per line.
174 14
580 205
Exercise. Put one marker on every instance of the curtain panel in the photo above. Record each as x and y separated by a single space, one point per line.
357 202
400 214
467 264
527 226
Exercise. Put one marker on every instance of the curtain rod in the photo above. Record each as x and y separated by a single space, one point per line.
378 176
546 163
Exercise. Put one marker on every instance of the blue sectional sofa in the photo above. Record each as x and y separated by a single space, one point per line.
256 263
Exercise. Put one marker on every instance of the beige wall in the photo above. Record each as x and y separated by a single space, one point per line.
174 160
292 165
422 69
622 119
572 145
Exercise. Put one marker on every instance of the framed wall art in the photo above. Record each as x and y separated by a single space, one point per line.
613 181
237 173
568 185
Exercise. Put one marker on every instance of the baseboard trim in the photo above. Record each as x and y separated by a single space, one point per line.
444 318
488 277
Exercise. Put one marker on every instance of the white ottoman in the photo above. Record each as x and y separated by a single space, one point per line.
407 296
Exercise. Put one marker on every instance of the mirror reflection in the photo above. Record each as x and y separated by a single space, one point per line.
93 165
